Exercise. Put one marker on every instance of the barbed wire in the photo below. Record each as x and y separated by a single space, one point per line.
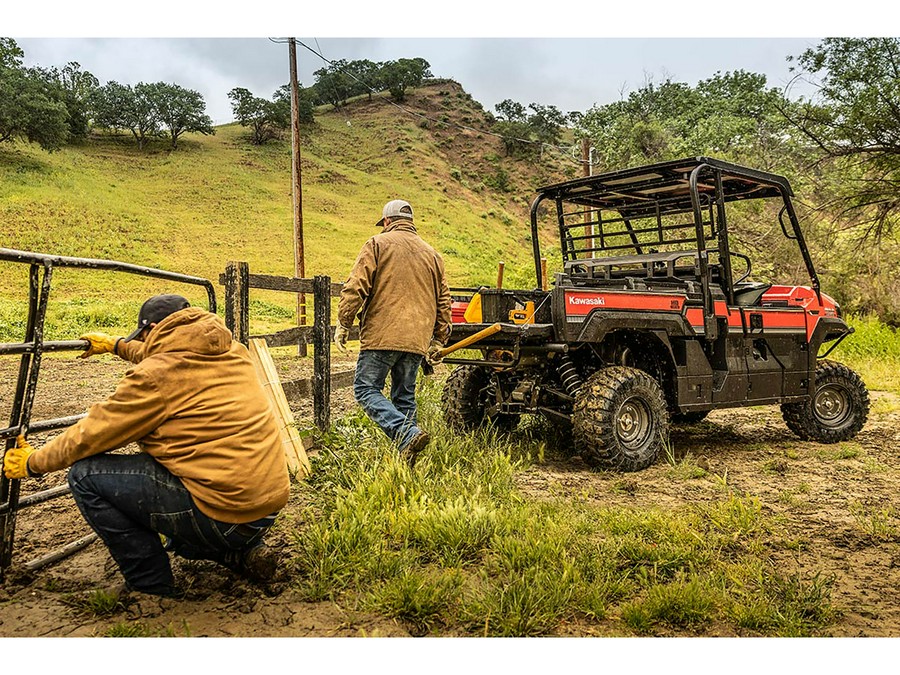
564 149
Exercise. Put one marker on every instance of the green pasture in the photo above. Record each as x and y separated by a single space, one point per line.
219 198
455 547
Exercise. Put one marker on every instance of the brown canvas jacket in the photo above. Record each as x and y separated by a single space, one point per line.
193 401
398 289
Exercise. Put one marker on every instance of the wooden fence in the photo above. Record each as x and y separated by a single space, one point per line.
238 281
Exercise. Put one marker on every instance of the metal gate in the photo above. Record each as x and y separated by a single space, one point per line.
31 350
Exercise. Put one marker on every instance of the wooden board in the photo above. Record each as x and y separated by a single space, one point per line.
294 448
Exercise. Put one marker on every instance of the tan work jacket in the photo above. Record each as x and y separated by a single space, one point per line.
193 402
398 289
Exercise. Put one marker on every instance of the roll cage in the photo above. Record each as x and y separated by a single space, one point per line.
659 216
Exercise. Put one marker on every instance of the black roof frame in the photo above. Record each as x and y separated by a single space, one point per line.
681 185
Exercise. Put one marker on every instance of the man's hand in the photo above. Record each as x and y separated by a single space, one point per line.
101 343
340 338
15 463
434 352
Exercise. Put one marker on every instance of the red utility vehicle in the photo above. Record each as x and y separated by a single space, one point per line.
654 319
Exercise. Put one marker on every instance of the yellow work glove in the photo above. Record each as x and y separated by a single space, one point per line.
340 338
101 343
15 462
434 352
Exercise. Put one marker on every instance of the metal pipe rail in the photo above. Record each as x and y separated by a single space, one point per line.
40 427
30 351
13 255
7 348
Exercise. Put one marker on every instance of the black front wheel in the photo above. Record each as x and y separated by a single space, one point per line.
837 410
620 421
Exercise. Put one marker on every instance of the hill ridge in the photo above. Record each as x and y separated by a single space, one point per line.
219 198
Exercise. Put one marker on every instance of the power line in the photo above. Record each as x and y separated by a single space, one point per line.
562 148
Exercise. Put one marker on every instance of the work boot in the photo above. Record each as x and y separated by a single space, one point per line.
411 450
260 563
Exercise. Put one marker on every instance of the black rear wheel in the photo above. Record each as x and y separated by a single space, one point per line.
467 398
620 421
837 410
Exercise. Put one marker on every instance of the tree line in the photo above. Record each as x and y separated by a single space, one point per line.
342 80
852 122
334 85
839 146
52 106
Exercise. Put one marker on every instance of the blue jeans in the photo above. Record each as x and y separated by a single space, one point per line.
129 500
397 416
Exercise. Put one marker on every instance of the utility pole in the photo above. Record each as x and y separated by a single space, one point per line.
299 265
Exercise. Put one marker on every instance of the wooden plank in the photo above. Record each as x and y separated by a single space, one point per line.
288 337
294 389
303 388
269 282
291 336
343 379
294 449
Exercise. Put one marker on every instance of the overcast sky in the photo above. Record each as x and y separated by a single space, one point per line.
570 73
575 54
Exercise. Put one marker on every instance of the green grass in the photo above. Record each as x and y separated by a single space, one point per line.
219 198
127 629
686 468
454 547
873 351
139 629
98 603
767 601
683 603
879 522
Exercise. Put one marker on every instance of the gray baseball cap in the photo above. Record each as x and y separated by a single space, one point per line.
396 208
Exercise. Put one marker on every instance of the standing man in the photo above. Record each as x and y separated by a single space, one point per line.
398 289
211 475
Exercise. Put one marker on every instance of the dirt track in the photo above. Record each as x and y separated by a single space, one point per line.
840 505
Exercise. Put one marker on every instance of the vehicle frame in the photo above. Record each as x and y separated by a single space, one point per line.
672 307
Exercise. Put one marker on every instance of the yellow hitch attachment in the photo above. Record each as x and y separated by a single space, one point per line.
472 339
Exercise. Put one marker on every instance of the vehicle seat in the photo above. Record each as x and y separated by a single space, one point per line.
750 294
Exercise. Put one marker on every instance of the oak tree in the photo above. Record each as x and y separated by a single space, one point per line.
180 110
30 108
267 119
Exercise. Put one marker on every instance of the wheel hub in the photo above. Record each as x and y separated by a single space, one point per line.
832 406
633 423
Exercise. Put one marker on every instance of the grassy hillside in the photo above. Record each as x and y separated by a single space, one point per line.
219 198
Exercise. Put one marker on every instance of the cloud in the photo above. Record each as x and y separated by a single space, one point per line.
570 73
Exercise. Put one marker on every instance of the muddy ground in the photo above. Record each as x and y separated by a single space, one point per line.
841 503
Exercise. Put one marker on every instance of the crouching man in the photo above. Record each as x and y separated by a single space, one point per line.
211 476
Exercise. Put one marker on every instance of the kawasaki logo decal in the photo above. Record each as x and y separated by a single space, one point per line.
586 301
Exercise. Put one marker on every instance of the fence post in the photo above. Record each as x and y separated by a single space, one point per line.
237 300
322 351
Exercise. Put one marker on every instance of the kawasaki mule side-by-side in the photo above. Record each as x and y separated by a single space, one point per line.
654 319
